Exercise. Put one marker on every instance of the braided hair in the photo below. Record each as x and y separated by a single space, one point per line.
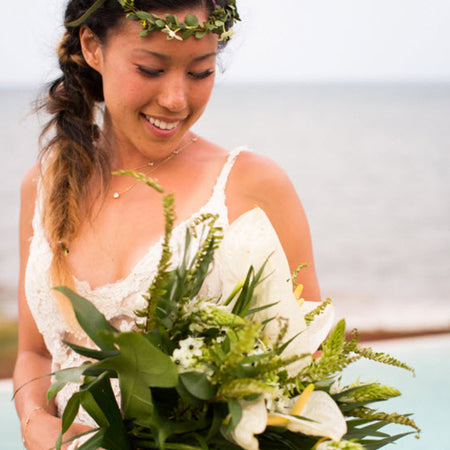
70 157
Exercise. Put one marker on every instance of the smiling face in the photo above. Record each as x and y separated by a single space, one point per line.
155 89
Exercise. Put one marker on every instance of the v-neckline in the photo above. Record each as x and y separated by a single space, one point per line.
85 286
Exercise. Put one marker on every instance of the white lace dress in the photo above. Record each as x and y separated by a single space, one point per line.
116 301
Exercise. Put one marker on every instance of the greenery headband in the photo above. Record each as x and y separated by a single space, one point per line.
171 25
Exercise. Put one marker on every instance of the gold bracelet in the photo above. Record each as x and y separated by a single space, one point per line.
27 421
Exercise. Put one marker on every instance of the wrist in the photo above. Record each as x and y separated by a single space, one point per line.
25 422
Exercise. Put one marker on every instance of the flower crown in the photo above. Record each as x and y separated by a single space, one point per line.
216 23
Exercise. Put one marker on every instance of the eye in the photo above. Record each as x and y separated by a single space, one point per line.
149 72
201 75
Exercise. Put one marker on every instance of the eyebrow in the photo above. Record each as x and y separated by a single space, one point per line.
168 57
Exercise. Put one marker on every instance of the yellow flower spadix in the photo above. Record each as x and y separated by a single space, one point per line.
297 294
278 421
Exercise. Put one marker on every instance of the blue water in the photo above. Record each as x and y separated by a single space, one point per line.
426 395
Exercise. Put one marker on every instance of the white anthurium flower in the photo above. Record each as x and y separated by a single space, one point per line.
249 241
253 421
324 418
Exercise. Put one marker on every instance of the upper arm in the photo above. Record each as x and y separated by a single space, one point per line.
259 181
29 337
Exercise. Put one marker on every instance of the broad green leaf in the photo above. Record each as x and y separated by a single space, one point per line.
198 385
140 366
90 319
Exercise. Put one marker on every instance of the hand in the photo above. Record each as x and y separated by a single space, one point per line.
40 430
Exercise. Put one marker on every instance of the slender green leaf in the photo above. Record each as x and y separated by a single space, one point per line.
90 319
235 410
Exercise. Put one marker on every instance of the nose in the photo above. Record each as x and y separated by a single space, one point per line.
173 95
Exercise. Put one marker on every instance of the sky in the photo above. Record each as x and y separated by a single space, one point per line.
279 41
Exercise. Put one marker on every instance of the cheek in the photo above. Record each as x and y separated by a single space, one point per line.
200 96
122 91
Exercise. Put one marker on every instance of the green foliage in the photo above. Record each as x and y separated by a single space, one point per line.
372 415
368 353
170 24
194 399
309 317
296 272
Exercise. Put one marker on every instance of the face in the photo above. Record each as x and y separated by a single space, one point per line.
155 89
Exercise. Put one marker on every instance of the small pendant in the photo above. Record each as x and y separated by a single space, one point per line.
151 163
116 195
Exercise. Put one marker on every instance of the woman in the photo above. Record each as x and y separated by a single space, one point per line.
84 224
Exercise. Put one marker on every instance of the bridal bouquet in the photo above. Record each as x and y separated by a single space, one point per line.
236 371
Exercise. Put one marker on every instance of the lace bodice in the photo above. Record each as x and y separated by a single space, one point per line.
116 301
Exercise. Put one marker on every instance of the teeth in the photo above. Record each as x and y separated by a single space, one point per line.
160 124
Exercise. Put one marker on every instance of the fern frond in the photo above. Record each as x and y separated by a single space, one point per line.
335 357
368 353
296 272
367 392
374 415
142 178
157 287
240 388
316 311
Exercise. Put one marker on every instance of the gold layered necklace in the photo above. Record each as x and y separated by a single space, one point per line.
152 165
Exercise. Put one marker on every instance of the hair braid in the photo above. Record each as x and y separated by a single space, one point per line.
70 158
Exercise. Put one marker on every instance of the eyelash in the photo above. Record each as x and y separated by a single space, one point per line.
156 73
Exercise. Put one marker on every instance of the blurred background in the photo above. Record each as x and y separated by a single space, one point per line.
352 99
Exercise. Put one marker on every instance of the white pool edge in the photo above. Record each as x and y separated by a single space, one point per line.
6 385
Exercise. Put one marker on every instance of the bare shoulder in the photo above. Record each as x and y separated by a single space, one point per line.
257 180
29 183
28 198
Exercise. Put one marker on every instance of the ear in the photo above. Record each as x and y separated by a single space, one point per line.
91 48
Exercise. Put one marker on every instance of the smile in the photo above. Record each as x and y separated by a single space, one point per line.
161 124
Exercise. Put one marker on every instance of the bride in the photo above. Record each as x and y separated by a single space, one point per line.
129 93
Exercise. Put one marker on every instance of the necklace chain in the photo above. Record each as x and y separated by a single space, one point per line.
153 167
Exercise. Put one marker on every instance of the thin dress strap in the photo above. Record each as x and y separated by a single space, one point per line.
219 188
217 203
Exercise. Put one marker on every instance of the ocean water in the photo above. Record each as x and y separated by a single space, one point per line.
370 164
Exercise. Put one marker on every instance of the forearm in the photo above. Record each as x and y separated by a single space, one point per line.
32 390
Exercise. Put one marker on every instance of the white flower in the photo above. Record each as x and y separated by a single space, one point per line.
186 357
234 259
341 445
171 34
278 401
226 35
192 346
253 421
324 418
